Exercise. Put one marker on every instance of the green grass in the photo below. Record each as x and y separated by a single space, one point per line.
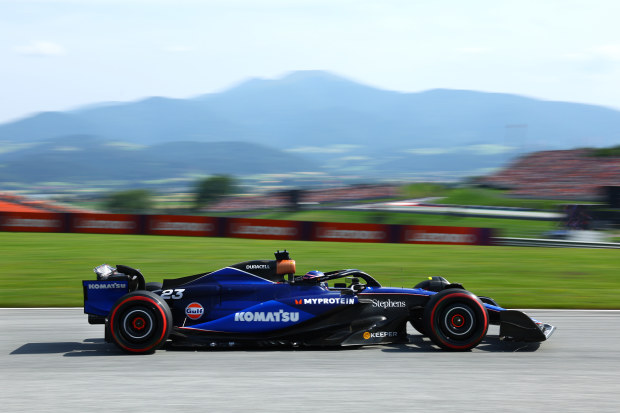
40 270
505 227
496 197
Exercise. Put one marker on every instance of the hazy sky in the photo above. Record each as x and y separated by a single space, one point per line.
60 54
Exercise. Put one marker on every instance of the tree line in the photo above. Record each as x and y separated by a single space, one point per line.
205 191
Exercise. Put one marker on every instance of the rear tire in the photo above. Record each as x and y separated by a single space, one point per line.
456 320
140 322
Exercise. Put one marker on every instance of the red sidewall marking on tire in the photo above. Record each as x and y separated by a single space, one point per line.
470 298
163 317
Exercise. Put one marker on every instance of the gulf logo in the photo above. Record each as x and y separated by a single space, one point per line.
194 311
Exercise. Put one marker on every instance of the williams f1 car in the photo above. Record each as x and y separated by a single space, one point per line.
263 302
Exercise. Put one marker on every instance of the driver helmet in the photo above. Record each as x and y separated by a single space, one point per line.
310 275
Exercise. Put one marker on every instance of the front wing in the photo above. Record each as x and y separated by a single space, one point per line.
518 326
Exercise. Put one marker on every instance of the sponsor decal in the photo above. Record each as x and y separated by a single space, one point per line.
351 234
379 334
105 224
388 303
182 226
32 223
443 238
268 316
194 311
332 300
257 267
264 230
106 286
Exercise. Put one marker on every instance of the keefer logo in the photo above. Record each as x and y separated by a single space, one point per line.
379 334
194 311
268 316
106 286
331 300
388 303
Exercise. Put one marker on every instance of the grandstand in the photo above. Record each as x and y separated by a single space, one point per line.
18 203
564 174
315 196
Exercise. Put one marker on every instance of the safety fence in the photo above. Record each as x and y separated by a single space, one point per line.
202 226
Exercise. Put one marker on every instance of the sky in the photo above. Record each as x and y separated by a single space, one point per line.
57 55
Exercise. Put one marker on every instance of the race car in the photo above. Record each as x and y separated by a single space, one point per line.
263 302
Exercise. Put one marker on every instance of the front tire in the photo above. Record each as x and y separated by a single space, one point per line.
140 322
456 320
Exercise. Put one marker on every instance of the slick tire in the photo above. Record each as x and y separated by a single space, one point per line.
455 320
140 322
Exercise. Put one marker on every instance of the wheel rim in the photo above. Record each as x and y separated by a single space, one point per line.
458 321
137 324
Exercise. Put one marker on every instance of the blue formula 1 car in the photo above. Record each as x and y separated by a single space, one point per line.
263 302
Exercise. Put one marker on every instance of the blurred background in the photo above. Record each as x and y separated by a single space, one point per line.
392 112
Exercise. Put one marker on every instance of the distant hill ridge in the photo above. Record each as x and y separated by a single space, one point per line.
305 121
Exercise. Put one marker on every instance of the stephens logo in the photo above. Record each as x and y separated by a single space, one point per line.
194 311
388 303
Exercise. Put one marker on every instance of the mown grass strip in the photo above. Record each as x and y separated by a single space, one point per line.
40 270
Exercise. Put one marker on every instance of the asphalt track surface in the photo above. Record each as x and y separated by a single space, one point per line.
53 360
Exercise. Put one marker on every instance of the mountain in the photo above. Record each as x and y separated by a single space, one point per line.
88 159
329 123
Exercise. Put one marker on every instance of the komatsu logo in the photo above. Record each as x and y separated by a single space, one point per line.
332 300
388 303
268 317
106 286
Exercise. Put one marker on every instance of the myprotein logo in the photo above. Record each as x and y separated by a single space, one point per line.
106 286
388 303
326 301
194 311
267 316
